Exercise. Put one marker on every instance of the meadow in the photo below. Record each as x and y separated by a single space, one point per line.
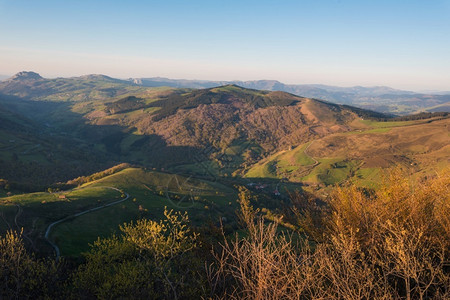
150 193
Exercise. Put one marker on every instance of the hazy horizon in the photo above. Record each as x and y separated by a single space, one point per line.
7 76
403 45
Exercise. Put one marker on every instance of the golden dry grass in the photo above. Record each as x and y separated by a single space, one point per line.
392 244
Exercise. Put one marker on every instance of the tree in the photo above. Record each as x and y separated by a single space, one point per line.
23 276
148 259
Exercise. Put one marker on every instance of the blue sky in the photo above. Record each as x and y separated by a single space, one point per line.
403 44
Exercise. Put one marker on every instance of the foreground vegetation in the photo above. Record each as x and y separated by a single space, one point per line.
393 243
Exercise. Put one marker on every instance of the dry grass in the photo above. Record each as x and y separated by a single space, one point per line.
392 244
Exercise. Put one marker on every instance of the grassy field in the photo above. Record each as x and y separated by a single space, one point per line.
389 124
360 156
331 171
262 170
85 229
150 192
283 164
40 209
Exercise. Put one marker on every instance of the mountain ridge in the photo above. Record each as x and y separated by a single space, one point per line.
170 127
379 98
222 130
26 75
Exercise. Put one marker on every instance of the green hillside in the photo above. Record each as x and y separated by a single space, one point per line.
359 156
150 192
30 85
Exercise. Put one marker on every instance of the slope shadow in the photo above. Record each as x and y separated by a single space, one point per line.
71 147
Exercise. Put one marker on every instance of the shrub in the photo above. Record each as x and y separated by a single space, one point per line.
148 260
22 276
390 244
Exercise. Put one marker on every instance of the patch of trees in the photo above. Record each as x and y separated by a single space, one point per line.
112 141
198 129
126 104
173 103
35 176
99 175
24 276
368 114
53 163
419 116
422 116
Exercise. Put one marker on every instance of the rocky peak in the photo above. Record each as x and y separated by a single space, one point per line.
26 76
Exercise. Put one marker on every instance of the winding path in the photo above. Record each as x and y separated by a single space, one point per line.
19 212
304 151
308 168
49 228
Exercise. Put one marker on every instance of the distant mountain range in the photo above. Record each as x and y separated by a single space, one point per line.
266 85
379 98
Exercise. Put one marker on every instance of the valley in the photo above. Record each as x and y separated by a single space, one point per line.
184 149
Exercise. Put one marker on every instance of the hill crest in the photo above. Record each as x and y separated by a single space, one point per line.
26 75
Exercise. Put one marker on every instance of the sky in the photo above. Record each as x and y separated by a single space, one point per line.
402 44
